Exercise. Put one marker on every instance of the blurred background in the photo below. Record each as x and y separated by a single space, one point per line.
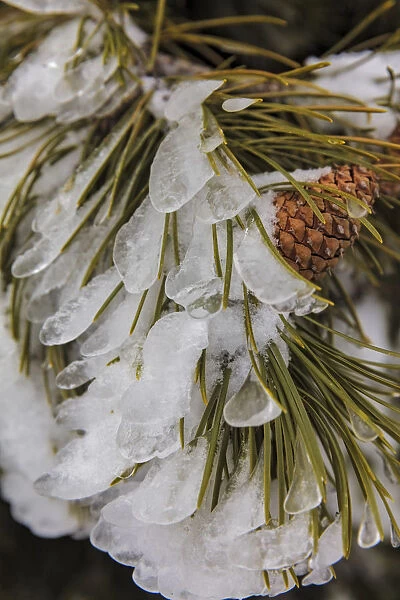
65 569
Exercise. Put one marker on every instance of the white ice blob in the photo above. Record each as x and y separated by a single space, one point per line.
170 354
224 195
237 104
138 246
304 493
274 547
262 272
188 97
74 317
170 489
194 284
180 169
251 406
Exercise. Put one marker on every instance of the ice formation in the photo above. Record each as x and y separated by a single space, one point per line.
174 318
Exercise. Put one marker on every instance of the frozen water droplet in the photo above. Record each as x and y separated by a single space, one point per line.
138 246
188 97
368 533
194 283
169 491
304 493
362 430
75 316
237 104
354 210
394 537
180 169
251 406
224 195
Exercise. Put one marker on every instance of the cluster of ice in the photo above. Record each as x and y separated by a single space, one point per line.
61 81
364 76
170 320
28 437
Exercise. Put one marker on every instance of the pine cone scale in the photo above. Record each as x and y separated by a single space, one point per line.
310 246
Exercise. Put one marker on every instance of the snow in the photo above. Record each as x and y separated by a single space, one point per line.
369 70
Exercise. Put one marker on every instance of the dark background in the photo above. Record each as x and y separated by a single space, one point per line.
65 569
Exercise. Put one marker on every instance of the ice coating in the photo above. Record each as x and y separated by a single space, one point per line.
180 169
237 104
28 142
142 442
274 547
138 246
188 97
241 507
61 217
251 406
79 372
170 354
330 546
224 195
170 489
368 532
74 317
304 493
194 284
90 462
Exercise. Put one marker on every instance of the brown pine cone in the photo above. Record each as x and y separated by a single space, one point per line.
310 246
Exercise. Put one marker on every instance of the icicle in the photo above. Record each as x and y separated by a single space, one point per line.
251 406
368 533
362 430
304 493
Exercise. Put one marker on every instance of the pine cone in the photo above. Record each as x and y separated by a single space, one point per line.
310 246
